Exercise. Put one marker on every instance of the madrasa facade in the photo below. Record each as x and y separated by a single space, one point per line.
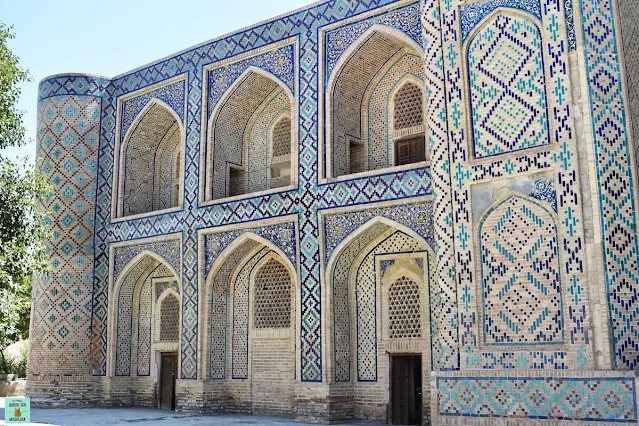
418 212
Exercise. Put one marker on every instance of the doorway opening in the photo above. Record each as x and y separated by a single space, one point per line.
168 373
406 390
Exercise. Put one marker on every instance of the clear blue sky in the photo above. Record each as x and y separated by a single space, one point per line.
109 37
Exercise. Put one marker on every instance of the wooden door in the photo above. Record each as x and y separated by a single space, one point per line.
168 373
406 390
410 151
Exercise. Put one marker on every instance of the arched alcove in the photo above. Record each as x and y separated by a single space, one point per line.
249 313
380 278
521 289
241 153
150 172
361 96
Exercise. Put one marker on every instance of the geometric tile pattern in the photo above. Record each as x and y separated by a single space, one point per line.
170 319
145 311
169 251
404 310
278 62
282 235
451 176
417 216
454 174
124 300
172 95
521 282
611 134
272 297
471 14
340 39
165 285
219 310
507 86
592 400
68 134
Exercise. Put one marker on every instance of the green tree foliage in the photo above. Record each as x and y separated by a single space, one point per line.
23 226
11 77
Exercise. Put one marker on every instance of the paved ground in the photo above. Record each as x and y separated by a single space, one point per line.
140 416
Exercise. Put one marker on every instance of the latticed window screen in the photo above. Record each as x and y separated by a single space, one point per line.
282 137
404 318
408 107
170 319
272 305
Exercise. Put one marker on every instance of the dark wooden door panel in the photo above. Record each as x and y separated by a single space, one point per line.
168 373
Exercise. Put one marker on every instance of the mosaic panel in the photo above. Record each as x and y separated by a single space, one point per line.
219 310
283 235
145 170
279 62
405 19
341 303
378 139
258 142
614 177
592 399
147 268
163 286
521 281
518 360
507 87
168 250
174 95
124 300
417 217
471 14
461 176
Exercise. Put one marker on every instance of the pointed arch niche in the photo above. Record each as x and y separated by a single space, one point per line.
521 289
252 143
251 326
144 319
375 101
379 302
149 174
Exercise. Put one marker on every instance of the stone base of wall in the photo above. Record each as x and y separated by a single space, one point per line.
513 398
66 391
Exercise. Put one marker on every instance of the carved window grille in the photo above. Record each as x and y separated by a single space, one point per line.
282 137
408 107
170 319
272 304
404 314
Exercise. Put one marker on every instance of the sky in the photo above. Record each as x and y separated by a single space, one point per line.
111 37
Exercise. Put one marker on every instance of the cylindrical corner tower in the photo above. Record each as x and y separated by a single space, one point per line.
69 111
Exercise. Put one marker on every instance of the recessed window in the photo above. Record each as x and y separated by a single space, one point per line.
375 99
150 163
250 138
